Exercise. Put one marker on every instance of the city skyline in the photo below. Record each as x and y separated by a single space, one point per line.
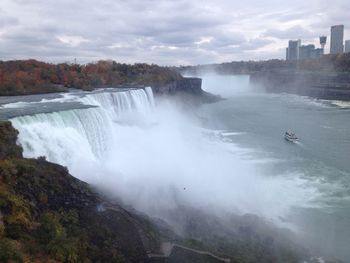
298 50
165 32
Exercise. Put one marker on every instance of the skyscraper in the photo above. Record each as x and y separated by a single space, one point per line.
337 38
306 51
293 49
347 46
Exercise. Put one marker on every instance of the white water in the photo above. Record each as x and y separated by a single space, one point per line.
157 157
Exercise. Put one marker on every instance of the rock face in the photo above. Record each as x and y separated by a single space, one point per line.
332 86
188 89
8 137
190 85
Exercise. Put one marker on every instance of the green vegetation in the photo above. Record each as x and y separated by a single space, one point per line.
9 251
30 76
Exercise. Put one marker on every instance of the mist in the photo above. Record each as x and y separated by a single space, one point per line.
227 85
173 162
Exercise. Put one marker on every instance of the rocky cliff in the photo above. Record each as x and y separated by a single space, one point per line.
322 85
187 89
190 85
47 215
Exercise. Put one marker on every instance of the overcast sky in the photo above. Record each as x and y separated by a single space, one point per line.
166 32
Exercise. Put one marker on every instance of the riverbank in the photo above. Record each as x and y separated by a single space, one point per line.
321 85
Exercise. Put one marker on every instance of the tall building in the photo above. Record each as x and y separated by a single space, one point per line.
293 49
306 51
337 38
309 51
317 53
347 46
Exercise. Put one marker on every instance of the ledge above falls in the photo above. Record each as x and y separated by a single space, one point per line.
187 88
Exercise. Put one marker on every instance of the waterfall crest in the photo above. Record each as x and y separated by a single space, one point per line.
55 134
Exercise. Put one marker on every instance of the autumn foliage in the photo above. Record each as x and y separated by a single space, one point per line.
32 76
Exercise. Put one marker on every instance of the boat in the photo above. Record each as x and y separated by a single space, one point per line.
290 136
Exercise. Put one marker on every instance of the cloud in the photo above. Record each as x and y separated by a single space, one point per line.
72 41
161 31
7 21
295 32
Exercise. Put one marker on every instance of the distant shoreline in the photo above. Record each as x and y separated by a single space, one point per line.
330 86
327 77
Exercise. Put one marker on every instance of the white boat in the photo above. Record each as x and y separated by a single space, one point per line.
290 136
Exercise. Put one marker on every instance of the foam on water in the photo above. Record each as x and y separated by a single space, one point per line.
341 104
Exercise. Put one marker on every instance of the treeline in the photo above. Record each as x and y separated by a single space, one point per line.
326 63
21 77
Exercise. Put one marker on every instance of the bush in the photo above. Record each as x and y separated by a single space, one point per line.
2 228
53 236
64 249
8 251
49 229
14 231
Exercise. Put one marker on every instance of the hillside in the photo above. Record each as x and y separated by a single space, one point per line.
46 215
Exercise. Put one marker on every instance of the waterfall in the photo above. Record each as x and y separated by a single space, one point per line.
90 130
114 145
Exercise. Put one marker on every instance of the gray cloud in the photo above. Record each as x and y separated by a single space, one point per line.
294 32
161 31
7 21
